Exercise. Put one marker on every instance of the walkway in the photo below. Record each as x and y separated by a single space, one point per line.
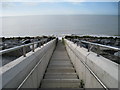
60 72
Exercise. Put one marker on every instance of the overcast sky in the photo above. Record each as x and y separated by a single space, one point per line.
58 8
102 21
59 0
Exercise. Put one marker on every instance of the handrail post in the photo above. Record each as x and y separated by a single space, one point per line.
98 50
80 43
89 69
33 48
24 51
77 43
39 44
89 46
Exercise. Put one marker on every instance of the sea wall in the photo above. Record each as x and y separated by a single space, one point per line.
18 70
105 70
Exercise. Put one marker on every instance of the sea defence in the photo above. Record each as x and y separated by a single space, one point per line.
64 64
27 72
94 71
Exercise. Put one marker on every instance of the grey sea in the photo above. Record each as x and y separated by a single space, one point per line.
59 24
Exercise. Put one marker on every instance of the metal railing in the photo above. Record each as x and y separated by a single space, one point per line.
90 45
23 47
89 69
31 72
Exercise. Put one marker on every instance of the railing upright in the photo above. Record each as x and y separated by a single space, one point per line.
94 75
24 47
91 45
98 50
33 47
24 51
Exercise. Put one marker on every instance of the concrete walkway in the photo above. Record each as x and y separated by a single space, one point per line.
60 72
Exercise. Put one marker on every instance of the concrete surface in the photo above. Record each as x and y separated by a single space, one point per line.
106 70
60 72
16 71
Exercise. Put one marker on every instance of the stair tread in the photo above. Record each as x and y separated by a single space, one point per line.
61 80
60 68
60 83
60 72
60 76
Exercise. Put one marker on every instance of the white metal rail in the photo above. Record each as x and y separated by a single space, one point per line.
96 44
90 46
26 78
95 76
23 47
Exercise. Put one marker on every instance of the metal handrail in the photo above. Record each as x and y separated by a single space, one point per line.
96 44
90 46
26 78
19 47
89 69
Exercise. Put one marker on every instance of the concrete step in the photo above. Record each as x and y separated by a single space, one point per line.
60 76
60 66
71 70
60 83
60 72
60 54
60 63
60 57
60 60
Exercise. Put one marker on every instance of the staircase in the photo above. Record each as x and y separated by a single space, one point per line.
60 72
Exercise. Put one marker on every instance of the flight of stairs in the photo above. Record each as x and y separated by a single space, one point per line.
60 72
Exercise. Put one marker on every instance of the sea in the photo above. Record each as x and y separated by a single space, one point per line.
37 25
